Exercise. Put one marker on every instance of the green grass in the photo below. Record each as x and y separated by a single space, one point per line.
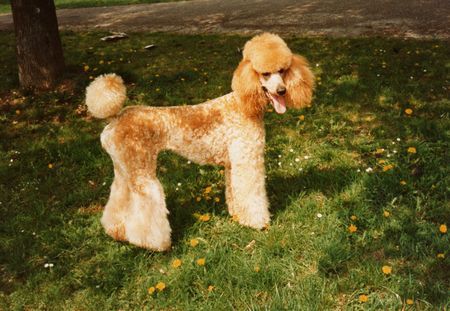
5 6
316 166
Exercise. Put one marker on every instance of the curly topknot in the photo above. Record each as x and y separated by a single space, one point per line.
267 53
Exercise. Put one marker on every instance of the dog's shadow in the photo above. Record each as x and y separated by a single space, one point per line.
282 191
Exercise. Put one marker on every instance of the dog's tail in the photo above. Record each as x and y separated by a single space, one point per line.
105 96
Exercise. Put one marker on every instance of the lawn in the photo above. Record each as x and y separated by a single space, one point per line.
358 184
5 6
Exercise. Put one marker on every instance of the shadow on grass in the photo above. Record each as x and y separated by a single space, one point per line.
329 182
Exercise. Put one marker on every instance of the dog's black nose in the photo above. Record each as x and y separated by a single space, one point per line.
281 90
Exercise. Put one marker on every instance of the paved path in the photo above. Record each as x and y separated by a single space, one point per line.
397 18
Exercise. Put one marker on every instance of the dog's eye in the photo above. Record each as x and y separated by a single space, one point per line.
266 74
281 71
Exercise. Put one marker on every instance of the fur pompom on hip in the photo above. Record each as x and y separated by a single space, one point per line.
105 96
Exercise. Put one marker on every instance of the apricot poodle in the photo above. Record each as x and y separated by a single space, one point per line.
226 131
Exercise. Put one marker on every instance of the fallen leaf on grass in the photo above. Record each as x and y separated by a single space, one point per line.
250 245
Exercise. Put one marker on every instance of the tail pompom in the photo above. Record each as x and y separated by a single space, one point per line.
105 96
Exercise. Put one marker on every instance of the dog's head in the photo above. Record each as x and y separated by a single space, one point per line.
269 72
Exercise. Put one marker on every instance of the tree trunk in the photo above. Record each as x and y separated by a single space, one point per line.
38 46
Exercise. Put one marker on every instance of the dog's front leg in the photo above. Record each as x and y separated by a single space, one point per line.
246 193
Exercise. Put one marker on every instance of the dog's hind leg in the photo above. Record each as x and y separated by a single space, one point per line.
115 210
136 210
147 224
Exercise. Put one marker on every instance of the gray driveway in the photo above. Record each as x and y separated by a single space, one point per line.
401 18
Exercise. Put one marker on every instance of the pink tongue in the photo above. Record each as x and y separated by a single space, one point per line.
278 103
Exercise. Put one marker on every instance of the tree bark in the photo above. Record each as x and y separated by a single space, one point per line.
38 46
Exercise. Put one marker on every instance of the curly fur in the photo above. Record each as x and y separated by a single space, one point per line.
227 131
276 54
105 96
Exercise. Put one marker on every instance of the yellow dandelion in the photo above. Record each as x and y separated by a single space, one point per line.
388 167
409 301
412 150
381 161
160 286
204 217
210 288
216 199
86 68
193 242
101 62
301 118
176 263
221 172
207 190
201 261
386 269
402 182
408 111
353 217
386 214
440 255
443 228
363 298
352 228
151 290
379 151
50 165
257 269
198 199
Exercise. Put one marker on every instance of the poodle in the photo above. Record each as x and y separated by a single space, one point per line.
227 131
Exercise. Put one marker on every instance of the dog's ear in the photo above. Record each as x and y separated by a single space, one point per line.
299 83
248 89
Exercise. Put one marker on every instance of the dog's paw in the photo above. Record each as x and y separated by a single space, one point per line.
256 221
150 243
117 232
113 227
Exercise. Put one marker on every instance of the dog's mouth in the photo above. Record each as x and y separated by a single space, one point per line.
278 102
